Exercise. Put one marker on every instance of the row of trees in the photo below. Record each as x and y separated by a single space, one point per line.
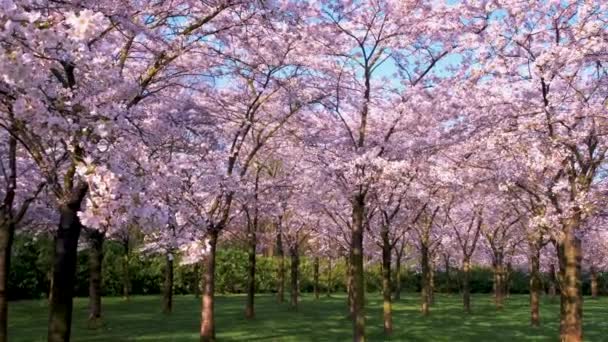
29 276
472 131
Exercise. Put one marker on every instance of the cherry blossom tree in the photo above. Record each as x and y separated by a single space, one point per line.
18 191
358 40
548 56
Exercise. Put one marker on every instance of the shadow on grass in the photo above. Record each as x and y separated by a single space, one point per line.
322 320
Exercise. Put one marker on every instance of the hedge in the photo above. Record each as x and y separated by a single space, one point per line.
31 265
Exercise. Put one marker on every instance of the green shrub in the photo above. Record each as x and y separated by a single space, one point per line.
32 259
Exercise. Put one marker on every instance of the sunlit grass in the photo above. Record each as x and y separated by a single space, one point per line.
323 320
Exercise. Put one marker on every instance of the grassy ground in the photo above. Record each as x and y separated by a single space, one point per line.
323 320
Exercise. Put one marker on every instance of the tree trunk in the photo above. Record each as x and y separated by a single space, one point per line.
281 270
168 285
386 282
64 268
249 307
329 280
499 277
197 281
466 285
432 284
126 278
96 240
357 268
508 280
295 267
349 288
208 319
425 288
7 233
552 283
252 226
316 277
534 283
8 223
569 254
50 280
448 277
594 284
398 276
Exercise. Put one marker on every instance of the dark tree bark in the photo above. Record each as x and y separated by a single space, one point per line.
10 216
126 277
7 233
249 306
252 229
357 268
281 270
535 283
432 284
386 281
316 277
168 285
96 240
448 275
466 285
426 280
196 287
207 312
64 267
295 281
569 255
349 288
50 279
399 255
329 279
552 283
508 280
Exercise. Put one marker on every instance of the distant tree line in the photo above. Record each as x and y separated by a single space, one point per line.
30 275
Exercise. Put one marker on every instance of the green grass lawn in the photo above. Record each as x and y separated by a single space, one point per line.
323 320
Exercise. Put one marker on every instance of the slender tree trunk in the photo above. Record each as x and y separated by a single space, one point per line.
96 240
316 277
207 312
448 276
571 329
432 283
126 277
386 282
349 288
534 283
329 280
552 283
168 285
357 268
64 267
508 280
253 244
295 267
425 288
466 285
249 307
196 287
7 233
594 284
281 270
499 276
50 280
398 275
